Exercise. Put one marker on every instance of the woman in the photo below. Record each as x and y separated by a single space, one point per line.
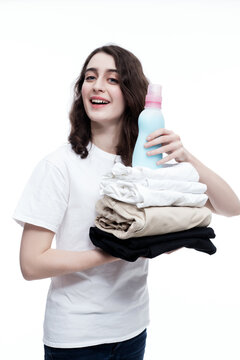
97 305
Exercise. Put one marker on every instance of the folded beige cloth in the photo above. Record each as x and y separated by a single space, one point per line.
126 220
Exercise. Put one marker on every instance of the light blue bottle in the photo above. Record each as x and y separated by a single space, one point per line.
150 119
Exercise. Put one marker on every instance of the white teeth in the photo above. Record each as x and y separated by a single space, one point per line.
96 101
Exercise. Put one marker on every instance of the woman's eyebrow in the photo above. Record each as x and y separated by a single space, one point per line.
96 70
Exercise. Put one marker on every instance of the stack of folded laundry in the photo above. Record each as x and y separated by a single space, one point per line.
145 212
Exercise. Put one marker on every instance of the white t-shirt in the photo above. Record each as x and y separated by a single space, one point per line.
108 303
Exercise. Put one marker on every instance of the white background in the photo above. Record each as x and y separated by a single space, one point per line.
192 49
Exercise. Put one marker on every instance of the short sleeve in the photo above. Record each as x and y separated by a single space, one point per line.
45 198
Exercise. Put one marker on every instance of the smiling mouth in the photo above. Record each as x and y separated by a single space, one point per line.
99 102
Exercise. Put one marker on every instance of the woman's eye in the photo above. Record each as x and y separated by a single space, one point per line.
90 77
113 80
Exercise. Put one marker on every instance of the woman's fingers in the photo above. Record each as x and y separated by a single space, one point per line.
179 155
169 252
166 148
158 132
161 140
166 159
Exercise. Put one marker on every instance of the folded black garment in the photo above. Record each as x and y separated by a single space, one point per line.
131 249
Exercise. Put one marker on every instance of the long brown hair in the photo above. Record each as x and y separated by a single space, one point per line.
133 84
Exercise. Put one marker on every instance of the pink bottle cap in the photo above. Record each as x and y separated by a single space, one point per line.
154 96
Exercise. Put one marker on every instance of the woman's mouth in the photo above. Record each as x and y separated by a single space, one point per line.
98 103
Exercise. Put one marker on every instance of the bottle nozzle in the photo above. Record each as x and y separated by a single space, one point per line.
154 95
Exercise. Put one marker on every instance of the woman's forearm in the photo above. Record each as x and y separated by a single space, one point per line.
55 262
222 198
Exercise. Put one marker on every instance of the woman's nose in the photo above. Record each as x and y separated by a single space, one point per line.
99 85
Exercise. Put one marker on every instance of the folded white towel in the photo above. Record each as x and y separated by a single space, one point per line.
174 184
149 197
124 186
143 197
180 171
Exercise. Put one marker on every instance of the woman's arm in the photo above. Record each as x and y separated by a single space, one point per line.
38 260
222 199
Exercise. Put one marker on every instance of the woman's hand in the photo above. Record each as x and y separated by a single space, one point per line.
170 252
171 144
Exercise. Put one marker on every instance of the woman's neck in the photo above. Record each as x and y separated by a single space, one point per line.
106 139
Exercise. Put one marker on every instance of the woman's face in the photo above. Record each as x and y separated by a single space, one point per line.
102 97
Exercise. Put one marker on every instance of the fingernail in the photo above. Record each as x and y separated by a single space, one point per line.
149 138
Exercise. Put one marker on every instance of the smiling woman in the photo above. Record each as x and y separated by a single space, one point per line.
98 305
115 75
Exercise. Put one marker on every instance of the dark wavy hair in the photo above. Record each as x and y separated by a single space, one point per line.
133 84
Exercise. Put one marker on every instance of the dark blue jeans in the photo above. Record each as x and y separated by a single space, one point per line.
132 349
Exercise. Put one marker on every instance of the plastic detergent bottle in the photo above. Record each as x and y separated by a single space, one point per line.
150 119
